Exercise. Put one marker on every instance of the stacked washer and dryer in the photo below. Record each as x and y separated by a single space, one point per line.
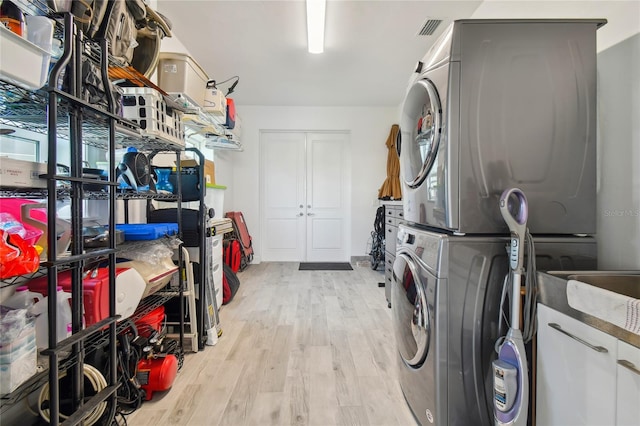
494 104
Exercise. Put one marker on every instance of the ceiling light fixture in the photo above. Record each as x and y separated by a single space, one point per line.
315 25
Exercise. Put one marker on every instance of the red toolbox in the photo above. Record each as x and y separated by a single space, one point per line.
96 292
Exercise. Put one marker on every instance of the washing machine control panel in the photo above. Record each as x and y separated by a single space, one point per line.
425 245
404 237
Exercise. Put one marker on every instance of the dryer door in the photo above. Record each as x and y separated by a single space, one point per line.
410 310
421 129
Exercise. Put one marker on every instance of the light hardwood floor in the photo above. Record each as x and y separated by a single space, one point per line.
298 348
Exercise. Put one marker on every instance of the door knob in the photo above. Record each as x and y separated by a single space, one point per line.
300 214
311 214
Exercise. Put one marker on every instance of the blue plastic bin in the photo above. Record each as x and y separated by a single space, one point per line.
147 231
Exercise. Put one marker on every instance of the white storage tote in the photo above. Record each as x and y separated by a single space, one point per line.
147 108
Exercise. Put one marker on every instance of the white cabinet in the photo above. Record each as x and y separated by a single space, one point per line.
576 372
628 391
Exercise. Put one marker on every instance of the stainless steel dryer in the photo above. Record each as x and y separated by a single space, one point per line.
496 104
445 300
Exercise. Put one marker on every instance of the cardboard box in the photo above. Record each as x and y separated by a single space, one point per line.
22 174
209 169
209 172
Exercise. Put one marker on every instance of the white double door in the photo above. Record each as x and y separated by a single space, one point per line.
305 192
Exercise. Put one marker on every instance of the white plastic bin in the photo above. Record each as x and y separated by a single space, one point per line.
179 73
214 197
21 62
40 32
147 108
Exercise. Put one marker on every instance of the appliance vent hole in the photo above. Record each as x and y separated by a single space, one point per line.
429 27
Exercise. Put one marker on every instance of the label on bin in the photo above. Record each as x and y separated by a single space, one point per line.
171 68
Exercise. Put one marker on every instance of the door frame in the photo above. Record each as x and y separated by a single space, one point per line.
347 197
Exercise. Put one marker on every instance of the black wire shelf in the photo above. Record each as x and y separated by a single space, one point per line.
93 343
23 109
66 193
91 125
131 195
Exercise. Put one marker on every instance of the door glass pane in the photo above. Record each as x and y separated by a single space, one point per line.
420 131
410 312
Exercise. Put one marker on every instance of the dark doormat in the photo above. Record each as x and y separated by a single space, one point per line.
325 266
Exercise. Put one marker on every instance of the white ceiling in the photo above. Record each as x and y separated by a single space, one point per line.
371 46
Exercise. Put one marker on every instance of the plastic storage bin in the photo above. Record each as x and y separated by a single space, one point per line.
22 62
130 288
147 108
14 374
18 359
179 73
21 345
147 231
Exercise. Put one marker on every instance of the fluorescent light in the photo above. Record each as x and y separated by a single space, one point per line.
315 25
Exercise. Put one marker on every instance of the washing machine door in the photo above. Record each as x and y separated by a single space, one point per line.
420 132
410 309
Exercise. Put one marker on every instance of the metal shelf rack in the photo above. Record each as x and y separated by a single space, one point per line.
62 115
206 127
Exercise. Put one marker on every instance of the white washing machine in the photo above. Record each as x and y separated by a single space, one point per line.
496 104
445 300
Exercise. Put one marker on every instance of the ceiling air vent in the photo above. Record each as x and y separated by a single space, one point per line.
429 27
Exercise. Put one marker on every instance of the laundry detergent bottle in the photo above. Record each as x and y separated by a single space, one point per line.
63 318
23 299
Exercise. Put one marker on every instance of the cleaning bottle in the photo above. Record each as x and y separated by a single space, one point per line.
63 318
23 299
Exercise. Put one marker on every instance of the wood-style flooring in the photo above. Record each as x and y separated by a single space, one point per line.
298 348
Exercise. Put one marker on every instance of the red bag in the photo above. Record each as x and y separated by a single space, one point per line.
231 114
232 255
242 234
226 290
19 257
230 284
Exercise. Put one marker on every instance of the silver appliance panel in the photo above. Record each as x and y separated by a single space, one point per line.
414 298
518 105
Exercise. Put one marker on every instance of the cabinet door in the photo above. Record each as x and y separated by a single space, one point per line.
576 372
628 401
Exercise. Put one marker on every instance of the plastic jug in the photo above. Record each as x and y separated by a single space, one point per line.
63 323
23 299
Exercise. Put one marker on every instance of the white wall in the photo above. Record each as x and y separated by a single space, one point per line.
623 16
368 127
239 171
618 226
